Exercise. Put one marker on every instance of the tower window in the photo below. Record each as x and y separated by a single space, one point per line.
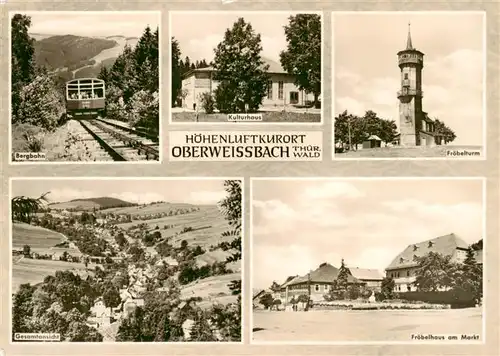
406 75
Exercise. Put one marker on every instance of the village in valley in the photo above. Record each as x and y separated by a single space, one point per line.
267 65
105 269
433 284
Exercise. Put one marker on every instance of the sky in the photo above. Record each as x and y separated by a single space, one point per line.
88 23
195 191
367 75
299 224
199 34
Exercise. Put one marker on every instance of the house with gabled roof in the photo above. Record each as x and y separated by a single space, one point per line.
403 266
281 91
371 278
318 281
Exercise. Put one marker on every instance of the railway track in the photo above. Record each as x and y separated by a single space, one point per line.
122 143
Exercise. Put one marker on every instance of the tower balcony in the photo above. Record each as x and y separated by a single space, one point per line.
410 92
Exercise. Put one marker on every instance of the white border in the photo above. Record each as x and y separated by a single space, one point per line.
243 123
345 179
118 343
160 90
484 144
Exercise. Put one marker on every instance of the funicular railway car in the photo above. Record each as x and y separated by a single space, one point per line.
85 98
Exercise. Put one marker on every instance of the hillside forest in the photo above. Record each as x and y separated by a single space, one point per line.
40 69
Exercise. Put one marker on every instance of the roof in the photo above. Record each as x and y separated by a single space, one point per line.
274 67
374 137
445 245
325 273
260 292
366 274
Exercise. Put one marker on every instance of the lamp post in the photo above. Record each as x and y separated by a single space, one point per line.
308 291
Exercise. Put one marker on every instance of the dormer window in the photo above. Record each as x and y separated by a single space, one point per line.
401 260
415 247
430 244
414 257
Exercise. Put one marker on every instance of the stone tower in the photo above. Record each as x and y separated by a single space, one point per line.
411 63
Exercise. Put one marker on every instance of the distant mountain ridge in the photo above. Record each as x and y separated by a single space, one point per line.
73 56
91 203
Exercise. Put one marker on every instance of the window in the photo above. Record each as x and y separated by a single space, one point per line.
316 287
408 288
270 89
406 76
407 273
280 90
294 97
326 287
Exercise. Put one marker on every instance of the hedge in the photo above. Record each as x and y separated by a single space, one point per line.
457 299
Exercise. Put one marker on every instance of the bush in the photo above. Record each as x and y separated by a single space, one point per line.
40 104
207 102
144 110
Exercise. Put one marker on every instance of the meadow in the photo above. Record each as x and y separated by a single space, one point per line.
211 290
208 224
26 270
34 236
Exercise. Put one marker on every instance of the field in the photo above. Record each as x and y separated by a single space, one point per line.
411 152
208 220
36 237
362 326
148 209
212 289
27 270
267 116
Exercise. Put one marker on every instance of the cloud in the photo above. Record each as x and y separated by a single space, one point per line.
138 198
207 197
66 194
452 86
332 190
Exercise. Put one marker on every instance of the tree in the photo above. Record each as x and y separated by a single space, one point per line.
434 272
441 129
478 246
343 277
469 276
111 297
302 58
387 288
24 207
22 58
27 250
240 70
277 303
266 300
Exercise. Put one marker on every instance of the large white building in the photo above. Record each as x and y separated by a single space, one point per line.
282 91
402 268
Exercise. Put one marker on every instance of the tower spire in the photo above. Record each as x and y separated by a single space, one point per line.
408 41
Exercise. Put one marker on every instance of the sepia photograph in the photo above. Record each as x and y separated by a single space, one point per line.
126 260
409 85
84 86
251 67
367 260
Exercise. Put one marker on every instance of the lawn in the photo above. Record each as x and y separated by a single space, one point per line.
148 209
32 271
410 152
363 326
34 236
267 116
